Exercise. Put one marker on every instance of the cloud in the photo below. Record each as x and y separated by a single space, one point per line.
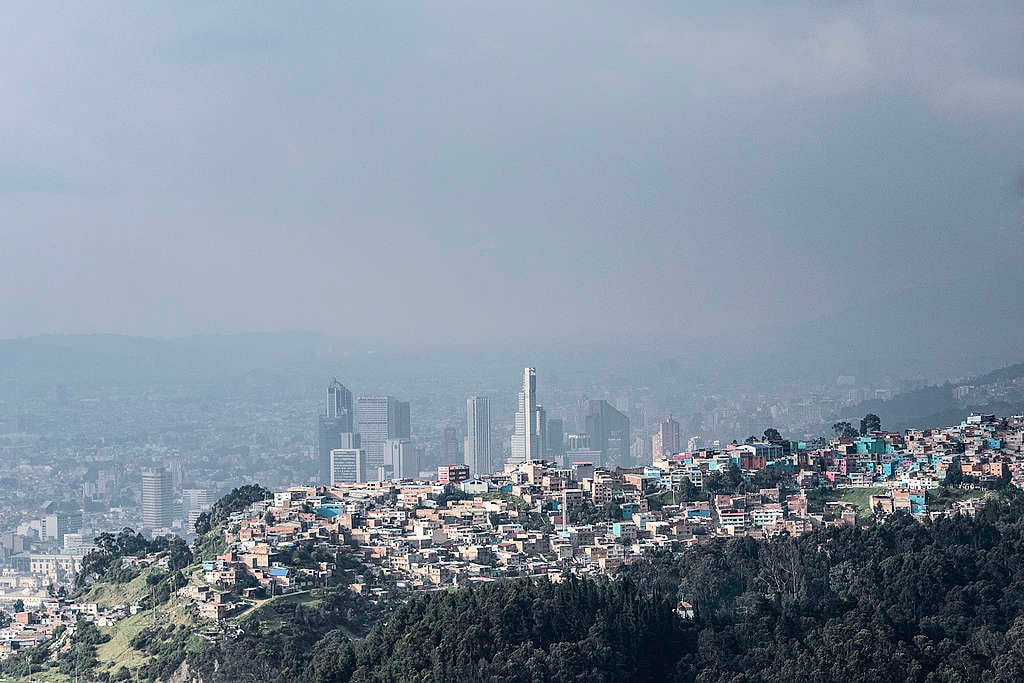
842 55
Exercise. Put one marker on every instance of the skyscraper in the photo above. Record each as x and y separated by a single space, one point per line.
528 434
450 445
403 421
555 444
348 465
666 440
608 430
157 499
381 418
400 457
478 435
335 421
339 401
193 503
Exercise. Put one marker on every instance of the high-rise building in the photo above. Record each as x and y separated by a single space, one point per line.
339 400
403 421
195 502
450 445
157 499
400 459
555 445
608 430
348 465
478 435
666 440
335 421
528 435
381 418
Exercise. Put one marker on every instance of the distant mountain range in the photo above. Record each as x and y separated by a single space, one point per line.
1000 391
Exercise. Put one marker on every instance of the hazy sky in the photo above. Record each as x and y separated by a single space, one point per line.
463 171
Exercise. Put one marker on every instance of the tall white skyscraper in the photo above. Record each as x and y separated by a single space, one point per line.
530 418
478 435
157 499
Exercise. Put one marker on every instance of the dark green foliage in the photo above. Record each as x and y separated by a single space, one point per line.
239 499
870 423
80 657
954 474
528 631
450 493
895 601
588 513
104 561
900 600
299 641
844 430
167 647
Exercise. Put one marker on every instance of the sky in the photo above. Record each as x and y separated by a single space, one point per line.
464 172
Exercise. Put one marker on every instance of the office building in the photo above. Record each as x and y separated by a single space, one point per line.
450 445
400 459
195 502
452 474
528 434
348 465
666 440
555 443
608 430
55 525
336 420
381 418
403 421
478 435
157 499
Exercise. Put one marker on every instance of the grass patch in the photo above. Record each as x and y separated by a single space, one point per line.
106 594
861 498
275 611
118 651
943 497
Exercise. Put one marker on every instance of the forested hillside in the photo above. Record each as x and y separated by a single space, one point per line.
896 600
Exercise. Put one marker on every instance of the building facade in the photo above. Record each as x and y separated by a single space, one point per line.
478 435
157 499
336 420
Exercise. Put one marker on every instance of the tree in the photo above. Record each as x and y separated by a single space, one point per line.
772 435
844 430
733 476
751 439
870 423
19 605
954 474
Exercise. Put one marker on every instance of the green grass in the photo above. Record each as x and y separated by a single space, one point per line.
266 610
118 651
107 594
861 498
943 497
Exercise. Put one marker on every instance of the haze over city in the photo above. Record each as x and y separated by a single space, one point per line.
451 341
453 173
